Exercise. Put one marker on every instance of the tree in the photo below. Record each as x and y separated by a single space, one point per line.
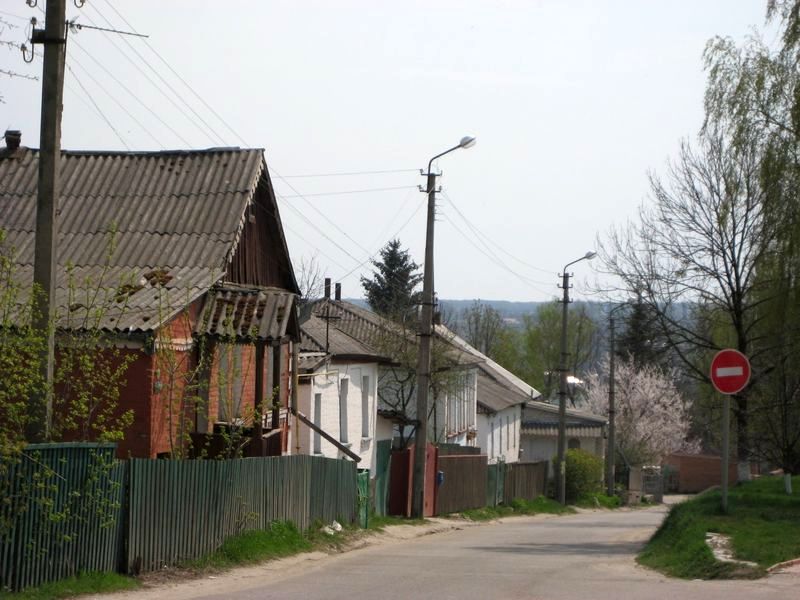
311 281
481 325
699 244
639 335
390 291
534 353
652 419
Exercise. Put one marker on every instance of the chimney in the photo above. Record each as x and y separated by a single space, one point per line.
13 137
338 292
327 288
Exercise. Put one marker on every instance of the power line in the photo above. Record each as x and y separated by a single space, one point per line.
346 173
132 94
345 192
176 74
100 112
487 238
524 280
114 99
208 131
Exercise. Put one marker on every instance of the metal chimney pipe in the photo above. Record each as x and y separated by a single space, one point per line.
13 138
338 292
327 288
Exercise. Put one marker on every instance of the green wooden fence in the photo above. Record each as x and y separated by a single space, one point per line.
181 510
60 513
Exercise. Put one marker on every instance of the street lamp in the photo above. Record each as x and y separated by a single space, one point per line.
562 388
425 333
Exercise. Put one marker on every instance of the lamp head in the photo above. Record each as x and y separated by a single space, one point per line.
467 141
590 255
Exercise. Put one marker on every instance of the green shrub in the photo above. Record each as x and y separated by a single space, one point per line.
584 474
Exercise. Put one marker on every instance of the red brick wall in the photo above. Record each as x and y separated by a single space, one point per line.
699 472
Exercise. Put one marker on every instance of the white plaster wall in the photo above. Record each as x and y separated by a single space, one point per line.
505 424
327 385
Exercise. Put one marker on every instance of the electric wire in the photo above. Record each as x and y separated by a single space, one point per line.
348 173
116 101
131 93
502 265
100 112
346 192
177 75
374 254
208 130
490 240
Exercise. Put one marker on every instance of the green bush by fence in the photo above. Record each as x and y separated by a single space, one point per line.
584 474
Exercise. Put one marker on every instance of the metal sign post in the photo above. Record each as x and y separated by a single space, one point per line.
730 373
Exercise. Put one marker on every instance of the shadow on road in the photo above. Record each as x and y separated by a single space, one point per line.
608 548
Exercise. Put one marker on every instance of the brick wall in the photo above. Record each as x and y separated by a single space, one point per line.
699 472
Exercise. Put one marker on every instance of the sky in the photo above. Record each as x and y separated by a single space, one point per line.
572 104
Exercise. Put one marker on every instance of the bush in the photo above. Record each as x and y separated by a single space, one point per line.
584 474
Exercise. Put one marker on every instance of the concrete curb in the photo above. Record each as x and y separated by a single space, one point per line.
783 565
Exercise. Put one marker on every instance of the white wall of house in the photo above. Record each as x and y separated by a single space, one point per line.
455 418
342 400
499 434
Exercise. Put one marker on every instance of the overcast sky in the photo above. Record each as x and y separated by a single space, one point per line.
571 102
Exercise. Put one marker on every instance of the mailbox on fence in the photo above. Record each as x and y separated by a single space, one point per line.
439 477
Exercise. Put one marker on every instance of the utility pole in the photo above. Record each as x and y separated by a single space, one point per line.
611 449
53 37
561 468
425 334
424 357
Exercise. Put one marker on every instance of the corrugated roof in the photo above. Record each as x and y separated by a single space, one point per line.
246 314
358 332
495 396
125 215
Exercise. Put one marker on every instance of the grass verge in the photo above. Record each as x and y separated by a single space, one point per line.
598 500
518 506
85 583
377 523
762 520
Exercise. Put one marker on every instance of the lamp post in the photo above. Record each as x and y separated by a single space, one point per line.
562 388
611 450
425 333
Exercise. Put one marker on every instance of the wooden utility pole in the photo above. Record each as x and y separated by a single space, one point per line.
53 37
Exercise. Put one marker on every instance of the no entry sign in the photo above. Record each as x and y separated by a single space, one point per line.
730 371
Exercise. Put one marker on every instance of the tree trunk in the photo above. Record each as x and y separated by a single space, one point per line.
787 483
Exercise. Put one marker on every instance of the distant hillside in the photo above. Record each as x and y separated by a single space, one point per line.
512 312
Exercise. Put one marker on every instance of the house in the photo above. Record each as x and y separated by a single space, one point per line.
197 292
348 340
338 388
540 431
501 398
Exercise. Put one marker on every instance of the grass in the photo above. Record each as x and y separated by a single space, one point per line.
86 583
377 523
763 522
598 500
518 506
282 538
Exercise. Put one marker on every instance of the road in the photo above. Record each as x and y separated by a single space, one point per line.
588 556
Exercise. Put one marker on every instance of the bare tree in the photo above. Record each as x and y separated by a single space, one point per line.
481 325
311 281
698 245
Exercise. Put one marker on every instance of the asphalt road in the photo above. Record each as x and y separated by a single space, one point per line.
584 556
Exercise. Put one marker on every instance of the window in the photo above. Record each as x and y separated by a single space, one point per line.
574 444
317 422
508 433
491 439
365 406
343 386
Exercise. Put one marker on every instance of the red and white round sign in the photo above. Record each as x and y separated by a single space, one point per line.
730 371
